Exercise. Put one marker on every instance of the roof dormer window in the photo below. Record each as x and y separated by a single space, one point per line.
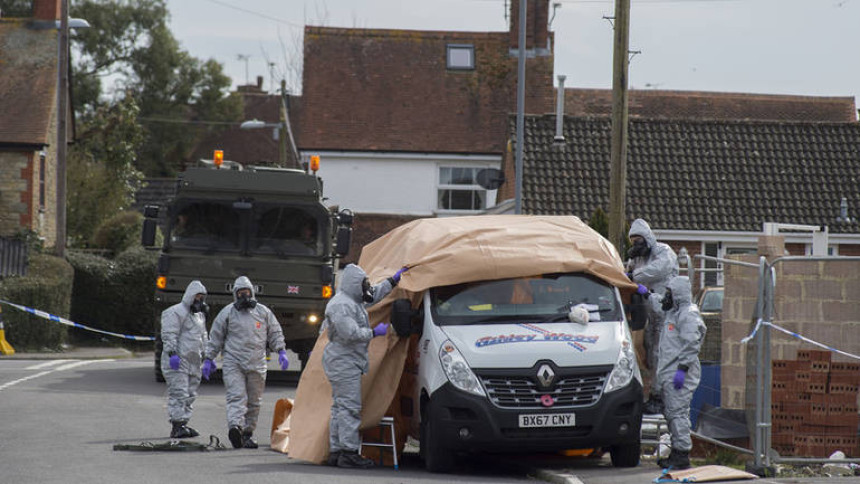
461 56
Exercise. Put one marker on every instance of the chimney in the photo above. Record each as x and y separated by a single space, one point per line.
537 24
260 83
46 10
559 111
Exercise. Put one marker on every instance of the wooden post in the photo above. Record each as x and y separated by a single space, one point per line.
618 148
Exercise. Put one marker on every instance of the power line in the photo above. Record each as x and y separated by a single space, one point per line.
258 14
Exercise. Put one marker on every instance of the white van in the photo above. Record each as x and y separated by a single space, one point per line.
502 368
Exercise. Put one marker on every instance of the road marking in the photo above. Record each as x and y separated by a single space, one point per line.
62 367
46 364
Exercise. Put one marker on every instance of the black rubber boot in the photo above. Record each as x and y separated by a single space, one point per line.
653 406
332 458
182 431
351 459
250 442
677 460
235 436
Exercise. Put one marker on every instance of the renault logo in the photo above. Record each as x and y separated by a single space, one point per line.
545 375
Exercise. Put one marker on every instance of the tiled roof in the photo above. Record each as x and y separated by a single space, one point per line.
712 105
698 175
390 90
28 82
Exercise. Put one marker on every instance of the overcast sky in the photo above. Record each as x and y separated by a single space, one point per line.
805 47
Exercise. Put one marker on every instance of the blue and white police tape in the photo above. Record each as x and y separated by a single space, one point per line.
57 319
762 322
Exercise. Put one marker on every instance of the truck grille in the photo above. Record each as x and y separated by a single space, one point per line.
523 392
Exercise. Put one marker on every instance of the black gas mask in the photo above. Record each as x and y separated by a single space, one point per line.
198 306
639 248
668 302
366 291
245 301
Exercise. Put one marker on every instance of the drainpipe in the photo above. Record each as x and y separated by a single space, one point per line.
559 110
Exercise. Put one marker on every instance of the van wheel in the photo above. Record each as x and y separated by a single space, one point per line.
436 457
625 455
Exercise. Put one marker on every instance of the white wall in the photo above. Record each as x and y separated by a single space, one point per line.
390 183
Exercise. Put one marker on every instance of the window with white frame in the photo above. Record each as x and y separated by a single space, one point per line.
459 190
461 56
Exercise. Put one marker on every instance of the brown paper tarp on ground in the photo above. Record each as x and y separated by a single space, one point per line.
439 252
711 473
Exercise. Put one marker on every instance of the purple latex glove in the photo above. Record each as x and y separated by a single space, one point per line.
678 380
209 367
380 329
640 289
399 273
174 362
282 359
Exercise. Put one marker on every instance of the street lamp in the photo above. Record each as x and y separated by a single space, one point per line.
276 135
280 130
64 24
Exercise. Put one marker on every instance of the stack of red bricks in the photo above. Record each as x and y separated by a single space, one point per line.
814 406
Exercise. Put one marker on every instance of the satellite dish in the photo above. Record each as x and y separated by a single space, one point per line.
490 178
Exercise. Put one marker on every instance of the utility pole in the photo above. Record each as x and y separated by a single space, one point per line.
521 101
618 147
62 110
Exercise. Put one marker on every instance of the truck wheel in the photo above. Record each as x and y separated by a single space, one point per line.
626 455
436 457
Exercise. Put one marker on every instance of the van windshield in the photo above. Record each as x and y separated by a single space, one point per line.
533 299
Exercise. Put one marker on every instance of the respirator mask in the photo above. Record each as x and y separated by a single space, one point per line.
245 301
639 249
366 291
668 302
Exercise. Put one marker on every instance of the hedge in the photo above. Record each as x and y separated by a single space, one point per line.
116 295
48 287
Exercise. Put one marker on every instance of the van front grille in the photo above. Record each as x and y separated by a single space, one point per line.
523 392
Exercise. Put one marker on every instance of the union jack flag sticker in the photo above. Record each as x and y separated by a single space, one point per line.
292 289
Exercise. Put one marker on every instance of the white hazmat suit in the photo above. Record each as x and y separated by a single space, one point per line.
183 334
653 270
243 334
345 355
680 343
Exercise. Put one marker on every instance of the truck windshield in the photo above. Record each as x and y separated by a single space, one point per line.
533 299
206 225
285 230
259 228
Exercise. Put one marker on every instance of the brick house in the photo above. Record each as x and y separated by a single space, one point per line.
28 121
706 182
403 119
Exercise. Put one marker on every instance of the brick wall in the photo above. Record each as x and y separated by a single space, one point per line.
817 299
12 186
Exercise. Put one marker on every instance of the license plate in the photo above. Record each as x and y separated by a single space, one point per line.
547 420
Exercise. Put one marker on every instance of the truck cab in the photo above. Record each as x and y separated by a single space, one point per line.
267 224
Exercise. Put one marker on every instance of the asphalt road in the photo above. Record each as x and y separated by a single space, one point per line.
61 419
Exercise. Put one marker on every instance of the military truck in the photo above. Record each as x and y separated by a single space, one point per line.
269 224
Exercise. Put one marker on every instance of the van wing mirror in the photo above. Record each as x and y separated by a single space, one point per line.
404 319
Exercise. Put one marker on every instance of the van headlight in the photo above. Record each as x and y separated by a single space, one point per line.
457 370
624 370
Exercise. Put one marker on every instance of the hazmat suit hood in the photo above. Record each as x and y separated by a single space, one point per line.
350 282
194 288
682 294
641 228
242 282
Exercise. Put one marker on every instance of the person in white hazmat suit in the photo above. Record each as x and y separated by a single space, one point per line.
345 358
183 335
678 368
652 264
242 331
